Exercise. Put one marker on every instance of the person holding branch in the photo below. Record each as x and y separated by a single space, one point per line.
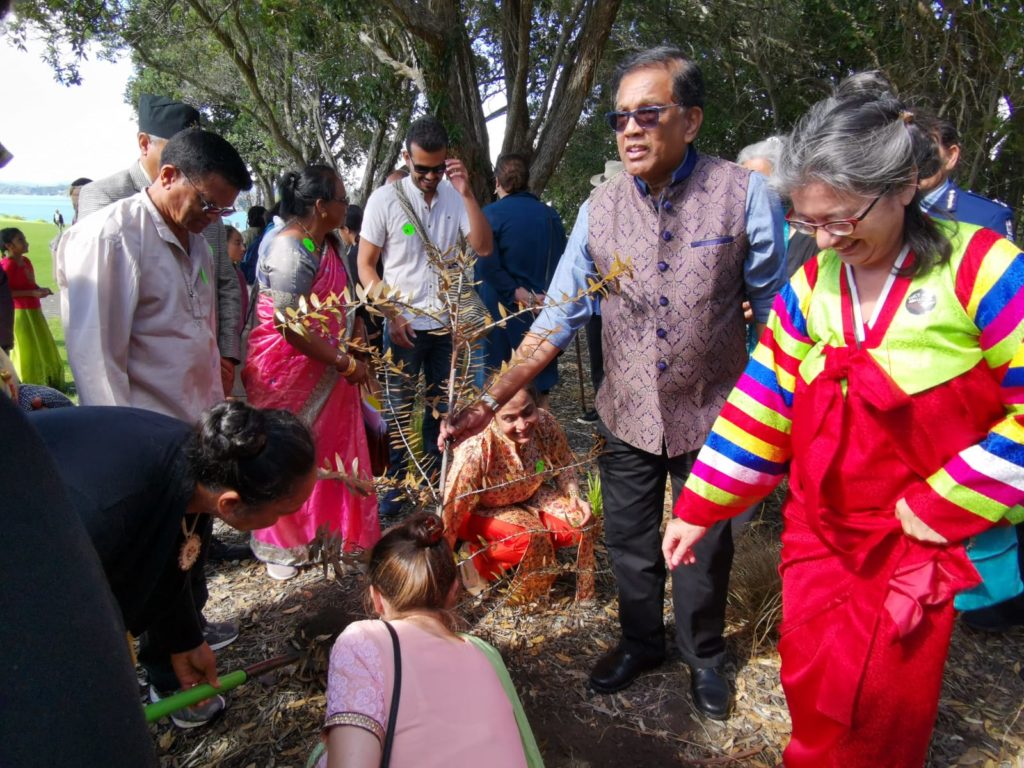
700 235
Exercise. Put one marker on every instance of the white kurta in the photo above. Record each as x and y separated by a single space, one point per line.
134 334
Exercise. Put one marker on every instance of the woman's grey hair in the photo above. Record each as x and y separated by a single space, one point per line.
864 143
769 149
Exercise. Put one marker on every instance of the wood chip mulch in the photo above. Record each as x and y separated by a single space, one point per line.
550 648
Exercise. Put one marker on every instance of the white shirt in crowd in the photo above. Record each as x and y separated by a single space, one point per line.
405 261
139 313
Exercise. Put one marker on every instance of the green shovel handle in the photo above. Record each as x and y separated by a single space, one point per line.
184 699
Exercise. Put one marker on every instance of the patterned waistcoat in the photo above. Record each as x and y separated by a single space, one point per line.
674 334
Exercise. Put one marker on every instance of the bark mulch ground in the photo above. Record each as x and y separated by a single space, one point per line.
550 648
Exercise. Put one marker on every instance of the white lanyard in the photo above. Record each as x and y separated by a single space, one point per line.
859 329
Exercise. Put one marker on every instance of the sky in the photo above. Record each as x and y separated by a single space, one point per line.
58 133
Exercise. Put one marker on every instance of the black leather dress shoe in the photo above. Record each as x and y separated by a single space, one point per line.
711 693
616 670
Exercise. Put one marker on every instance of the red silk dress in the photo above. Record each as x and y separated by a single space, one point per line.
868 612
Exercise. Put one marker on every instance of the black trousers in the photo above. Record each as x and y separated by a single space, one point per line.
595 349
153 654
633 491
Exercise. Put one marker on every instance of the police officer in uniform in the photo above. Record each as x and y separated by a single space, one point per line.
942 196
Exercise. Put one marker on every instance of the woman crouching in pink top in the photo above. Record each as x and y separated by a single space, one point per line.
456 702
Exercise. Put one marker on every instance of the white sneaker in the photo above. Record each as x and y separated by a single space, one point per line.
195 716
281 572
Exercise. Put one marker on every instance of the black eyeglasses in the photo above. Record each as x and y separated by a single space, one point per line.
839 227
645 117
426 170
209 208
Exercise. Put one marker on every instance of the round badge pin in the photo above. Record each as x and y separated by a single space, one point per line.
921 302
409 229
309 244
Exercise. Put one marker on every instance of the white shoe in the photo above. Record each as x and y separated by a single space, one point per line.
281 572
472 581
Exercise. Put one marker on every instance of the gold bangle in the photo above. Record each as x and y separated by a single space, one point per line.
352 365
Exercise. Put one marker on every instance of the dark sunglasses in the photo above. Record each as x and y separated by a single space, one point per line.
645 117
209 208
426 170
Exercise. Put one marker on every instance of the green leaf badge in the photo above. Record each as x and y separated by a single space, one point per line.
539 466
309 244
409 229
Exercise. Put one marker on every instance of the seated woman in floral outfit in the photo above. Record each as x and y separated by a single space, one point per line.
513 496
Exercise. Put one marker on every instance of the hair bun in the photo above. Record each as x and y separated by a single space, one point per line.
236 431
427 529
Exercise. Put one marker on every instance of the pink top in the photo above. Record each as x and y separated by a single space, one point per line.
452 710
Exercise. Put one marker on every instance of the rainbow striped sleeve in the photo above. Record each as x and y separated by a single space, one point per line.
748 451
984 483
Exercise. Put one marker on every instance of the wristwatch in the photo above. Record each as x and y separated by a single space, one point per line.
489 400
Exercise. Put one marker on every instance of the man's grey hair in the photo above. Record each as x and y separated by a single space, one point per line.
687 80
769 149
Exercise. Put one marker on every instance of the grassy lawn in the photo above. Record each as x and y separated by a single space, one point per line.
39 235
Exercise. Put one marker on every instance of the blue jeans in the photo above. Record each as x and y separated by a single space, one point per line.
431 355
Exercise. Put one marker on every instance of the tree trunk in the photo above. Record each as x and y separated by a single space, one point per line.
572 91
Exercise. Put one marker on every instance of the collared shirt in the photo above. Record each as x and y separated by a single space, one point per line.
950 201
405 261
96 195
761 272
139 313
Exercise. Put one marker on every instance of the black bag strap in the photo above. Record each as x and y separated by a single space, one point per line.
389 737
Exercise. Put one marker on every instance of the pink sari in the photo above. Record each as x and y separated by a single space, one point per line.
277 375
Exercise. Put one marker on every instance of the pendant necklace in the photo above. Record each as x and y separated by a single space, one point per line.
307 242
193 303
189 552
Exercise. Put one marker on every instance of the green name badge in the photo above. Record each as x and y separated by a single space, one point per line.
409 229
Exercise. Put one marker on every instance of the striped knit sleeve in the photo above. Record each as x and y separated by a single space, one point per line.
748 451
984 483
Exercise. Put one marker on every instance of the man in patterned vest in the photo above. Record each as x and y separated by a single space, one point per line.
701 237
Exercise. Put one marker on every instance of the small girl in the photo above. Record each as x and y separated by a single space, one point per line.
35 355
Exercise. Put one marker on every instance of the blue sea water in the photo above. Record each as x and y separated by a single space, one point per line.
36 207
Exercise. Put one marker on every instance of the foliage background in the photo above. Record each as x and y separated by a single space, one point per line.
338 81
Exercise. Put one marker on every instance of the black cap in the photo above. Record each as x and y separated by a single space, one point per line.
163 117
354 218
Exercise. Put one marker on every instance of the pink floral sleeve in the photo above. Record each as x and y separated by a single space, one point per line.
355 680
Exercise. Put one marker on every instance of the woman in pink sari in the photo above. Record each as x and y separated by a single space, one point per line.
312 375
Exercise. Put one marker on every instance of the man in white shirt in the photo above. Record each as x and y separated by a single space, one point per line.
446 209
140 318
159 119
